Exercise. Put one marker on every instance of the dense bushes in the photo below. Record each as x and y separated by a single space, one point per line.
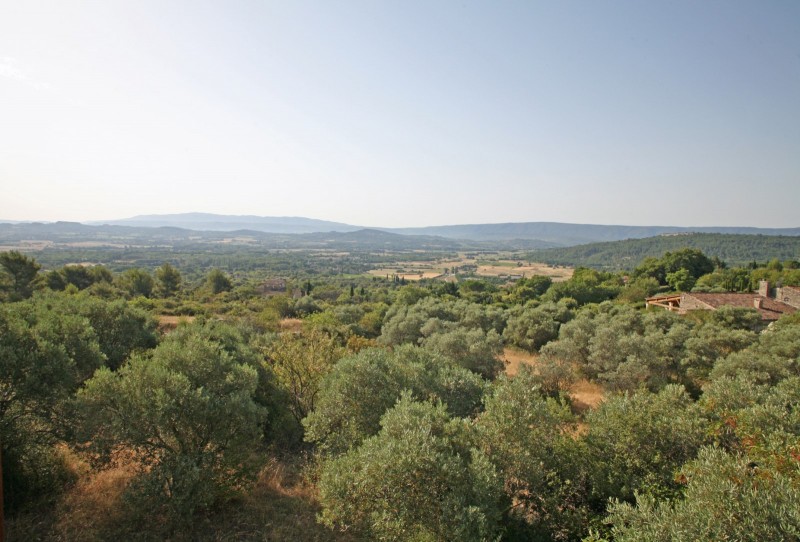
418 478
530 440
361 388
187 413
727 498
626 349
394 404
49 345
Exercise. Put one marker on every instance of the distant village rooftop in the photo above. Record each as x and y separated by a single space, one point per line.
785 300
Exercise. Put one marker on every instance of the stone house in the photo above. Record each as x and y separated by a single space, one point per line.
272 287
789 295
771 304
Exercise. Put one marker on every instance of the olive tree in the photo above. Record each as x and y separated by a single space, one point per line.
120 328
361 388
636 442
623 348
775 356
535 325
417 479
44 356
187 412
728 497
472 349
529 437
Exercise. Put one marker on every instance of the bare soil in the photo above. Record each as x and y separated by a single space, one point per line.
515 357
585 395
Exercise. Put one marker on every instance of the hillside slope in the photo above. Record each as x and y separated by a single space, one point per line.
616 255
565 234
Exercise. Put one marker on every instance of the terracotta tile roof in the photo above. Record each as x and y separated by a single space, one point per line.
770 309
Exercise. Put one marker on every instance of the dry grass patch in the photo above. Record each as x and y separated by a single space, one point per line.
281 506
90 509
27 245
409 276
292 325
168 323
93 508
585 395
493 268
514 357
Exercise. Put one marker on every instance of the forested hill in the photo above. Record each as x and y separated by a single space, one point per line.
564 234
733 249
74 234
521 234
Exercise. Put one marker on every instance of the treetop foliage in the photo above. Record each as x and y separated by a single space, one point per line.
188 411
419 465
391 401
624 255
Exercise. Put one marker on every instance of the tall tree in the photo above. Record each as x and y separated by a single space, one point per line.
137 282
218 281
169 280
21 271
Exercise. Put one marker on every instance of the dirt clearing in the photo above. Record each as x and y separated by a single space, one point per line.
585 395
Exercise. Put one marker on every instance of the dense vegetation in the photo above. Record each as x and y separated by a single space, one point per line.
161 402
617 255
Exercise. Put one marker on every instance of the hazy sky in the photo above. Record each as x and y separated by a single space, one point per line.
403 113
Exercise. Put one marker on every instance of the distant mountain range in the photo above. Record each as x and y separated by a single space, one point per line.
212 222
536 234
75 235
73 241
563 234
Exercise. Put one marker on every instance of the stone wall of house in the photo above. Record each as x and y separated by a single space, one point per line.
790 296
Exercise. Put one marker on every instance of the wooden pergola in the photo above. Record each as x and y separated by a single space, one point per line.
669 302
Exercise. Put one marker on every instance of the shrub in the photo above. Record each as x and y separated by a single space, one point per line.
417 479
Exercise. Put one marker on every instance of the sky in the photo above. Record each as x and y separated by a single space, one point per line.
403 113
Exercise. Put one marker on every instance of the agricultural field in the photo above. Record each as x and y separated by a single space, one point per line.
472 265
506 268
